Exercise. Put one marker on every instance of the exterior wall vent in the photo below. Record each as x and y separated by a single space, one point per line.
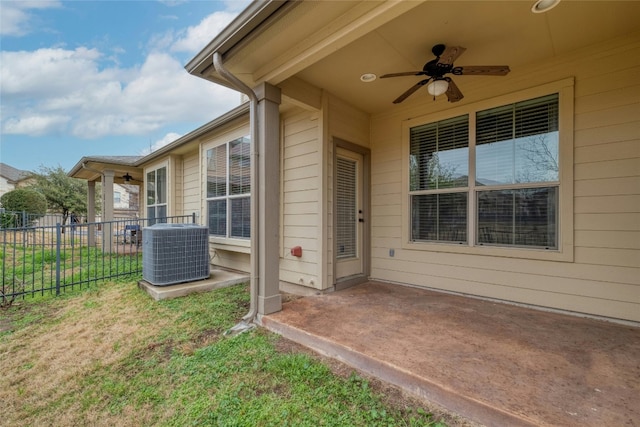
175 253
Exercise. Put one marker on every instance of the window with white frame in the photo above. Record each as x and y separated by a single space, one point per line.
157 195
229 188
512 197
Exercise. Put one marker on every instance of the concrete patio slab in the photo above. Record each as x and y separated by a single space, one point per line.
217 279
494 363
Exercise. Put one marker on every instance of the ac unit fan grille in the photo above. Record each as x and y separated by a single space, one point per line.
175 253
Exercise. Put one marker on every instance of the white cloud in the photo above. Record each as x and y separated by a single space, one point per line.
236 5
167 139
15 19
72 92
195 38
42 87
37 125
49 72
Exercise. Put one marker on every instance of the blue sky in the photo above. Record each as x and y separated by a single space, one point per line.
80 78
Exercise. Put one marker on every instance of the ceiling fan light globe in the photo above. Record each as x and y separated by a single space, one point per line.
542 6
437 87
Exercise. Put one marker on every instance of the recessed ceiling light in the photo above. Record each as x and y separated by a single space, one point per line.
368 77
542 6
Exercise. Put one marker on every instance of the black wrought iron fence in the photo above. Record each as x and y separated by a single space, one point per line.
41 260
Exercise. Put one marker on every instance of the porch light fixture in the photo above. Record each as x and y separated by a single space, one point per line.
368 77
542 6
437 87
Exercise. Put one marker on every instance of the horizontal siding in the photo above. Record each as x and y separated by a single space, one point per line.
607 186
607 239
348 123
232 260
570 302
604 277
191 195
608 169
607 204
177 170
607 222
300 186
590 288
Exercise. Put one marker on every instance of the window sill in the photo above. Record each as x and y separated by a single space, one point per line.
232 245
565 255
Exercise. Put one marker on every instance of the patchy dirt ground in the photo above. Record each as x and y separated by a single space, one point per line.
57 344
65 339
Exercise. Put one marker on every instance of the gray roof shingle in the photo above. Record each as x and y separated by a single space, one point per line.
12 174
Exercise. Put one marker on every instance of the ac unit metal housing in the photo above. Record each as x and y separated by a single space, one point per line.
175 253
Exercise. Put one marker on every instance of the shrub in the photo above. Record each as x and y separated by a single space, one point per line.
23 200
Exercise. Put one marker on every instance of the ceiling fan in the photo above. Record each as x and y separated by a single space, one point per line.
435 70
128 178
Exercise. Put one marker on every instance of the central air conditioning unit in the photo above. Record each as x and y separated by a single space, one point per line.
175 253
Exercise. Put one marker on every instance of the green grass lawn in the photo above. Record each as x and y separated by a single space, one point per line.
112 356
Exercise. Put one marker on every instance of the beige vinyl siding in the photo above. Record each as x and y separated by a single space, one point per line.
604 276
348 123
191 199
178 182
300 197
230 259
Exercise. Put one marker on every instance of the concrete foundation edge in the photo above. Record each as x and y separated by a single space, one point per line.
420 387
218 279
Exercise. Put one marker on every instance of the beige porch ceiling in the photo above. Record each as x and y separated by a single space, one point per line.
331 44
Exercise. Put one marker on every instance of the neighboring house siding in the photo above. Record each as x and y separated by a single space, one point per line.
604 276
5 186
301 209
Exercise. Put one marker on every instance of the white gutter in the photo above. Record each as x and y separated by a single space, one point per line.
247 321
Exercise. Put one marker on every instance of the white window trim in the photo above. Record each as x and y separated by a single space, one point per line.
217 242
155 167
564 252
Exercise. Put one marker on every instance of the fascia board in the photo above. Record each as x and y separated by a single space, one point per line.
244 24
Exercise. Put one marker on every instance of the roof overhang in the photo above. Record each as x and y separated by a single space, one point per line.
329 45
91 168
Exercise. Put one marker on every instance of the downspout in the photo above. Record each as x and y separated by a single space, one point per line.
247 321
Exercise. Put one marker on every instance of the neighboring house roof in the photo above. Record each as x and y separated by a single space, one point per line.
12 174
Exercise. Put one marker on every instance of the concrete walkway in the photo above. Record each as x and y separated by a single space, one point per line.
496 364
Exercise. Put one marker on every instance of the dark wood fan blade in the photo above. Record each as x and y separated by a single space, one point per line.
410 91
484 70
406 73
453 92
450 54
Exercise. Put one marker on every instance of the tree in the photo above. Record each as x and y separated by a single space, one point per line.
22 200
64 194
